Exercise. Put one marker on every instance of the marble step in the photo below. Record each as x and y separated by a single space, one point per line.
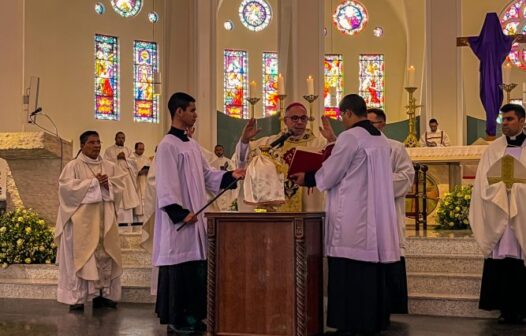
458 246
445 263
131 274
130 240
444 283
47 289
447 305
136 257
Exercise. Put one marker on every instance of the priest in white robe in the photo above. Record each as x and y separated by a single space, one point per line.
89 255
361 237
221 162
142 166
120 155
296 121
183 177
498 219
403 178
435 137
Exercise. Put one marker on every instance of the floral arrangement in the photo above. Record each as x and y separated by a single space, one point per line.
453 209
25 239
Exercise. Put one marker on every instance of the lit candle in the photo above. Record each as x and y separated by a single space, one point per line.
507 73
411 76
310 86
281 85
252 89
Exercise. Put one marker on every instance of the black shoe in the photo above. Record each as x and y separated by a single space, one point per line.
173 330
510 318
76 307
102 302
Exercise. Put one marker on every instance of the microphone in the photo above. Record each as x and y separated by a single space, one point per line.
38 110
279 141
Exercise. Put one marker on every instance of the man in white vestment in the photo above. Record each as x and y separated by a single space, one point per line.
361 227
142 165
497 216
120 155
435 137
403 178
89 255
296 120
221 162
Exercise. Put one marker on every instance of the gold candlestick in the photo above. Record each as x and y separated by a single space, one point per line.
310 99
412 138
281 98
508 88
252 101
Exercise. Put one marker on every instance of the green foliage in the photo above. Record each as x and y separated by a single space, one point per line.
25 239
453 209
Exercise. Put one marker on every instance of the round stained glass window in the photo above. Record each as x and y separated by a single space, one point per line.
127 8
350 17
99 8
153 17
255 14
229 25
513 21
378 32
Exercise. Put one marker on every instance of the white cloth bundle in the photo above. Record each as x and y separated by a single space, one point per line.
263 184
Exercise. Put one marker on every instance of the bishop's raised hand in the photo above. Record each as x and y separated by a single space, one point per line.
249 131
326 129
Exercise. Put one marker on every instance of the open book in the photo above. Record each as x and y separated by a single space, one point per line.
306 160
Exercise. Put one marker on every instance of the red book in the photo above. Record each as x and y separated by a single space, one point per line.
306 160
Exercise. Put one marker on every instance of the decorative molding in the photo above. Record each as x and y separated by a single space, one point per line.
301 277
211 297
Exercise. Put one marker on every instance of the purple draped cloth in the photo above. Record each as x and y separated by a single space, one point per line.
491 48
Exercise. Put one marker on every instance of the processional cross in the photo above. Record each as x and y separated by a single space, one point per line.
491 47
507 172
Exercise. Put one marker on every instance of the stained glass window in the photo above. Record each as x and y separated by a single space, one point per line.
513 21
236 83
333 87
372 79
106 77
255 14
270 83
127 8
350 17
146 107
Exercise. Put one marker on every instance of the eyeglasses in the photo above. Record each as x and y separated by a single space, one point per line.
296 118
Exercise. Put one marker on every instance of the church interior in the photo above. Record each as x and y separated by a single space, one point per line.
112 65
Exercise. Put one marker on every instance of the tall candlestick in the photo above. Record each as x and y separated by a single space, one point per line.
310 85
281 85
507 73
332 95
253 89
411 76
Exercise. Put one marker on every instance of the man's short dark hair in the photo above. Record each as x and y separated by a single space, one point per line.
219 146
137 145
354 103
433 120
84 136
518 109
179 100
378 112
119 132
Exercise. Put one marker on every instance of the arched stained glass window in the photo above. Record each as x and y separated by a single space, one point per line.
146 101
371 78
513 21
236 83
255 14
106 77
127 8
350 17
333 84
270 83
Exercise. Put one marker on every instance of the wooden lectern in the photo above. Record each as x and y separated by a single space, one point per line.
265 273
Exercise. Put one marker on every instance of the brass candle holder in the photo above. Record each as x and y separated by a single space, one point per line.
508 88
281 98
310 99
412 139
252 101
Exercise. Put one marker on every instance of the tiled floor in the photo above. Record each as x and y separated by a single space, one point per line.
42 317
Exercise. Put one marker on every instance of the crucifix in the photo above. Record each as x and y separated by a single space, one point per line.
507 173
491 47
